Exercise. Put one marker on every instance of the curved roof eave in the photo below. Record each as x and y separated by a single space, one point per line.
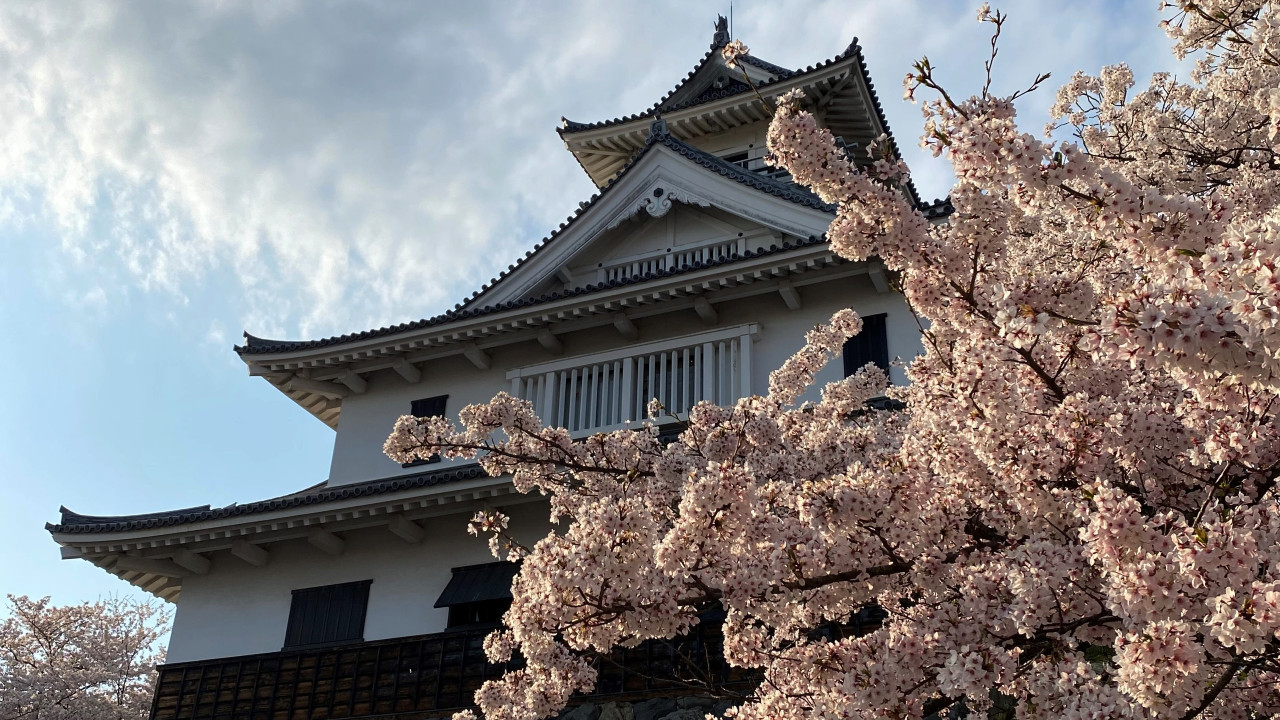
569 127
72 523
467 310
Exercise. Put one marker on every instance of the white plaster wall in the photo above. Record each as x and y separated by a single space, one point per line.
239 609
367 419
643 235
738 138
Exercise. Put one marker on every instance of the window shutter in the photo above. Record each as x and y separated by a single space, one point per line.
428 407
328 614
870 345
424 408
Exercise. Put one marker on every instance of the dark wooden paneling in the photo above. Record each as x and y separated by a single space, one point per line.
424 676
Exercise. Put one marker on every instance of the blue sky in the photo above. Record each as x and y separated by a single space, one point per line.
172 174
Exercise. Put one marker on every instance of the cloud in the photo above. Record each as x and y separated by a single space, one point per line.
351 165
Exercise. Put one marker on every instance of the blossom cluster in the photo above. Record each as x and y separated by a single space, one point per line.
1076 514
93 661
732 52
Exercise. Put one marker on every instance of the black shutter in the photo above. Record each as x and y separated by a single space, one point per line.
428 407
424 408
870 345
327 615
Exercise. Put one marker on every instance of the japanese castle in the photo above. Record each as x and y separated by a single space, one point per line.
693 272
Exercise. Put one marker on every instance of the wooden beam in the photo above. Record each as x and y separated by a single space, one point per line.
327 389
326 541
789 294
195 562
352 379
250 553
155 586
478 357
879 280
705 311
135 563
408 371
70 553
550 342
624 326
318 404
405 529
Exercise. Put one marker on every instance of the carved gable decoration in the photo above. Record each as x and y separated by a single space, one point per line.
672 207
680 235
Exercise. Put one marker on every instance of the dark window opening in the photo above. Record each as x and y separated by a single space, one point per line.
869 346
487 612
427 407
327 615
478 594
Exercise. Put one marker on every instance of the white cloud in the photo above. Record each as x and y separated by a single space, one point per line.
358 164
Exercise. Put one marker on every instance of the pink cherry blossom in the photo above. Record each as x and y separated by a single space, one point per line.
1075 516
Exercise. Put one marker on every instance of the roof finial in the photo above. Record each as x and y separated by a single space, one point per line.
722 33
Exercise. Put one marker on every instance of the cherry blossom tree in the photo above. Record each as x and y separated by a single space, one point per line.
93 661
1075 516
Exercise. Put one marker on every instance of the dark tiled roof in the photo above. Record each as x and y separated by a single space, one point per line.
854 50
713 93
783 74
735 87
76 523
786 191
464 310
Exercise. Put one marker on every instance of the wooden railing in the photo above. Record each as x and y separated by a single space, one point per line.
608 390
425 676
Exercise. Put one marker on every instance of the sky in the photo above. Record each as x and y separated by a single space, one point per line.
174 173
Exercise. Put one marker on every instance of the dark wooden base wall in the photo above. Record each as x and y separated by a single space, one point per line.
426 676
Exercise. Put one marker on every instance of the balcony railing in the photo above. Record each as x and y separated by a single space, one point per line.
426 676
608 390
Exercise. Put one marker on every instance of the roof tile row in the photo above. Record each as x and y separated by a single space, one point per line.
72 522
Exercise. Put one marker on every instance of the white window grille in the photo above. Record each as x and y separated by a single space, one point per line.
607 390
635 267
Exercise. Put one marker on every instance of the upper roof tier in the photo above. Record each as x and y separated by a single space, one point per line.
684 144
714 99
